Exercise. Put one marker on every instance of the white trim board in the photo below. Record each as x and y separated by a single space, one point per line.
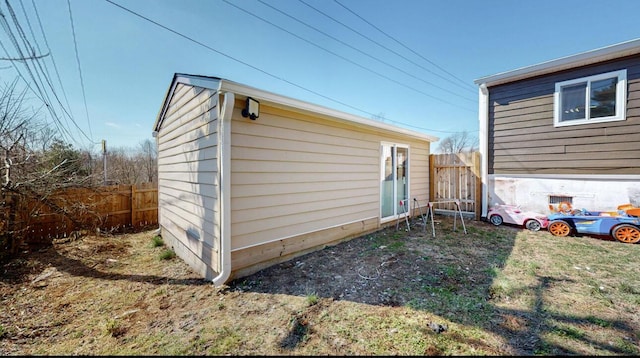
582 59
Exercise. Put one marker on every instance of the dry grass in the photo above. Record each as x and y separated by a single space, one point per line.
493 291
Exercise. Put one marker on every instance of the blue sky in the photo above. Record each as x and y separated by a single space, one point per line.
412 62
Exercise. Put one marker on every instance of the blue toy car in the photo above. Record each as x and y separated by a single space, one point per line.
623 227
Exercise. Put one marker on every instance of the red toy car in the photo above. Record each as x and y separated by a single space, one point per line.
511 214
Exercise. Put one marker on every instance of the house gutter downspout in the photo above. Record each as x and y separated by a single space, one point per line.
483 117
224 176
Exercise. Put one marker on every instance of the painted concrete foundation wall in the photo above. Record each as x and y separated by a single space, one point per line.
596 193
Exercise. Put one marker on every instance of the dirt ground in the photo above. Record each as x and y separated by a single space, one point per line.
375 269
57 300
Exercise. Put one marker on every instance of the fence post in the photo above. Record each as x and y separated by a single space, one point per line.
478 184
432 176
133 204
9 240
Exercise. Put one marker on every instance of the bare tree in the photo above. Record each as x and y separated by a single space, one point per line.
148 158
14 125
131 166
34 166
42 136
14 130
460 142
122 168
93 166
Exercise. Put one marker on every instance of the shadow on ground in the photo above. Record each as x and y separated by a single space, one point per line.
92 259
451 275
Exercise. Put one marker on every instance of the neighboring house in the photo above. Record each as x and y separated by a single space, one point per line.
249 178
566 130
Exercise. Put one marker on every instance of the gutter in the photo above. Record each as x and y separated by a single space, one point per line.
224 176
483 117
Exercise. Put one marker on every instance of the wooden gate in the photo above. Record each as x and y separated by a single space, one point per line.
456 177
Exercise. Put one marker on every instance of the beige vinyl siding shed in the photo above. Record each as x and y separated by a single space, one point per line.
237 195
188 181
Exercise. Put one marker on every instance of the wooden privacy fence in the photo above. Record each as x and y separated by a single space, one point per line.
71 210
456 177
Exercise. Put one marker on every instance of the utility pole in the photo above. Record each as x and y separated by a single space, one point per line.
104 160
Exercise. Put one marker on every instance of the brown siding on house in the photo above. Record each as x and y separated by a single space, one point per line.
523 140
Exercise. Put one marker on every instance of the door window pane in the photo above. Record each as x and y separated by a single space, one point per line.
402 179
394 180
387 181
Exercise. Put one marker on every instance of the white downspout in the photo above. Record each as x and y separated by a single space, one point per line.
224 175
483 117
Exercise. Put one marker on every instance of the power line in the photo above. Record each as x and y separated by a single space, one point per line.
27 46
45 74
346 59
261 70
16 44
75 43
39 93
29 26
465 86
365 53
401 44
20 59
25 40
55 67
56 122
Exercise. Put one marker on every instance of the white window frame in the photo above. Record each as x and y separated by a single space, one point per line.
395 180
621 99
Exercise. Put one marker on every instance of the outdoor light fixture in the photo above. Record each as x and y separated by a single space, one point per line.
251 109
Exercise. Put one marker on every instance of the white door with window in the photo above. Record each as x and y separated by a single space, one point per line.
394 180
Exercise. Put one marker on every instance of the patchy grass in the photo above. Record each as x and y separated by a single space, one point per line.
167 254
157 241
492 291
312 299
